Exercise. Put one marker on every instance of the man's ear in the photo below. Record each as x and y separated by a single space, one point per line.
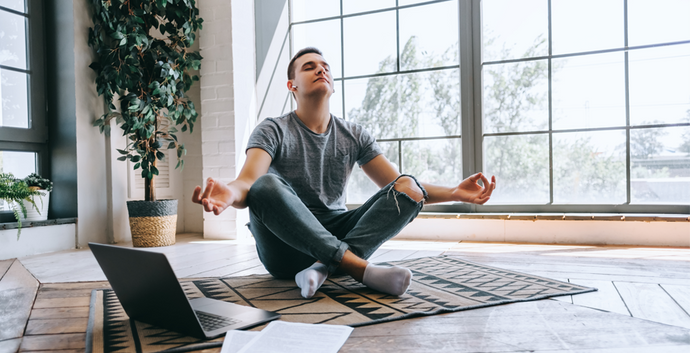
291 86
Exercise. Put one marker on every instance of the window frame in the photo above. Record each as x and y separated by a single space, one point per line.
471 97
35 138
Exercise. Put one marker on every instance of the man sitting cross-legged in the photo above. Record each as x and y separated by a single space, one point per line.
294 182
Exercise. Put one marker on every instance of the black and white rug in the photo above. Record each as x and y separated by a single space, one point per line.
439 285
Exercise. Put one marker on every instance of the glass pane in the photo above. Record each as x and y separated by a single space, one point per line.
360 188
17 5
14 97
421 28
514 29
323 35
589 168
659 84
20 164
586 25
412 105
660 165
515 97
337 99
521 166
588 91
437 162
658 21
354 6
12 40
370 44
304 10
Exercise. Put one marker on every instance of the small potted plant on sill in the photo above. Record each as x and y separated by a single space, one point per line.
143 56
14 191
37 208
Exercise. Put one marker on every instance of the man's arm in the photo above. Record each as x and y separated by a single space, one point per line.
382 172
218 196
468 191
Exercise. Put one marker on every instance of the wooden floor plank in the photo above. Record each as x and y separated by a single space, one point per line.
680 294
393 255
256 270
218 268
17 293
539 326
52 326
61 302
10 345
4 266
54 342
59 313
378 253
226 269
423 253
651 302
606 298
73 293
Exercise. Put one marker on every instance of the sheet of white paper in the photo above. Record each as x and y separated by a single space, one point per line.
235 340
290 337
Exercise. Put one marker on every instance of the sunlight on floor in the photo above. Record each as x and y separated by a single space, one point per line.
511 247
677 254
249 241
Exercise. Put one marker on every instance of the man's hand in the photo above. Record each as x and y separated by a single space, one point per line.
216 198
470 191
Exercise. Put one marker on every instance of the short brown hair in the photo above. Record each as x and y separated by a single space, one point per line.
291 66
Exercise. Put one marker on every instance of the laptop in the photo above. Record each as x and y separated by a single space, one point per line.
149 291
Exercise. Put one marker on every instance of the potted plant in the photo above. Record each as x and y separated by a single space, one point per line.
13 191
37 208
144 57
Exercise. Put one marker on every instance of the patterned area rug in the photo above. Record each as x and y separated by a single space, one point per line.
440 284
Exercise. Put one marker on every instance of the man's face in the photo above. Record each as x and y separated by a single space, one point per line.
312 76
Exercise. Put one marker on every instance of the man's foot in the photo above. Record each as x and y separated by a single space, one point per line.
311 279
392 280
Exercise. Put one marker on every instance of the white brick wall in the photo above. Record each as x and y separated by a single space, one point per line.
227 45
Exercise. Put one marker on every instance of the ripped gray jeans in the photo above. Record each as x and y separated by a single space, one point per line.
289 238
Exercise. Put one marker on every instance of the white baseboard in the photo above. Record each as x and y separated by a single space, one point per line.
37 240
676 234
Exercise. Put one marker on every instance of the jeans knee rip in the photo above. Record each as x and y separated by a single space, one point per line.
395 196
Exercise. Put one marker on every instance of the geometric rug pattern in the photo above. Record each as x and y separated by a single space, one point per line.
439 284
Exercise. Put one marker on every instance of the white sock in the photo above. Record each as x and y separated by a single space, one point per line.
392 280
311 279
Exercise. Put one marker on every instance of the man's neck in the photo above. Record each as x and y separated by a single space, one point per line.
315 115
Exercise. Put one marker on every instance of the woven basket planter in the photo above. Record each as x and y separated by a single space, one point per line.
153 223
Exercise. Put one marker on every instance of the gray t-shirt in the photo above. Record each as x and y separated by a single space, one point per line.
317 166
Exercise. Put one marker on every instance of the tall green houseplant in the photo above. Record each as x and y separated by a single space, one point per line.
144 57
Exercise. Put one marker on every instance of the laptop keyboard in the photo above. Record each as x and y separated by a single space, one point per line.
211 322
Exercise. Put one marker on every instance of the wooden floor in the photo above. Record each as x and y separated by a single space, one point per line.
642 304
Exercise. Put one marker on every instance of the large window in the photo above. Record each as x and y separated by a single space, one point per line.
587 102
23 132
396 70
575 106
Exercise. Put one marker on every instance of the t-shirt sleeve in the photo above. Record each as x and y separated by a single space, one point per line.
266 136
369 148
